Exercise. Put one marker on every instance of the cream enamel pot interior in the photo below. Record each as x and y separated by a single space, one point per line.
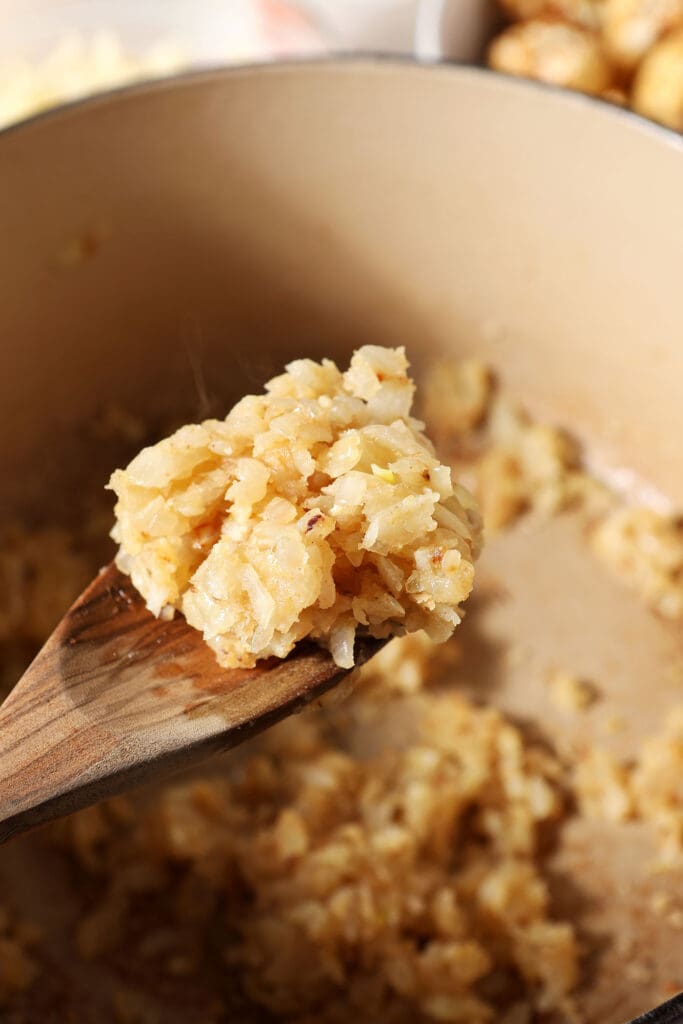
185 239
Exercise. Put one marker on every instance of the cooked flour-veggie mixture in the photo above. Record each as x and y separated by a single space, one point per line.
312 510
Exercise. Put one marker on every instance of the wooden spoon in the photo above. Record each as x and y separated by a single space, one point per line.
117 697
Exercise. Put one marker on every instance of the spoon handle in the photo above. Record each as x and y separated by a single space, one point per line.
117 697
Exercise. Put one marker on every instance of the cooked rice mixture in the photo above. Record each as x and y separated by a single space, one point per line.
571 694
311 511
403 888
511 463
648 788
514 465
645 549
408 884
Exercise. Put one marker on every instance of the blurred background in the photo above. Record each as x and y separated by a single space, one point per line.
628 52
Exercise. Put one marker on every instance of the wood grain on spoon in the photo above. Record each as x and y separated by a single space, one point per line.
117 697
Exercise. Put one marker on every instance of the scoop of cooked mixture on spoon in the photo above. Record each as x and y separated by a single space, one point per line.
313 510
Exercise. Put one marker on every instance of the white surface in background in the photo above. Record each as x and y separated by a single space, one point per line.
209 31
212 31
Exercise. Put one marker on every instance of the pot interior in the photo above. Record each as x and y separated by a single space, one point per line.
170 248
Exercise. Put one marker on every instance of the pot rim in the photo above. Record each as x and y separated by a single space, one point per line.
363 61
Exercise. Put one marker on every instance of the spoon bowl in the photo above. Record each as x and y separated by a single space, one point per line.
117 697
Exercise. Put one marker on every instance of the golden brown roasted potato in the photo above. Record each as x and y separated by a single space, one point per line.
631 27
658 85
553 51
